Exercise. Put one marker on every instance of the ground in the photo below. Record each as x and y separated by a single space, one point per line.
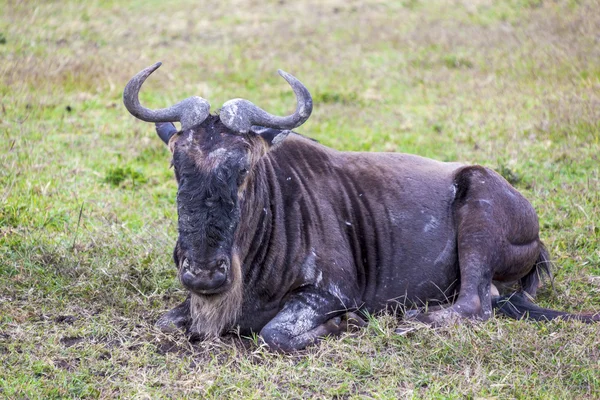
87 199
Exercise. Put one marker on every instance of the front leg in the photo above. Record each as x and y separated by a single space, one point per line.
306 317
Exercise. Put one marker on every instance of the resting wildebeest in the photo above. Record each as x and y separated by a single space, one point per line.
283 236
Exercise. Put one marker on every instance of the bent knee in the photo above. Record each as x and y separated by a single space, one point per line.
277 339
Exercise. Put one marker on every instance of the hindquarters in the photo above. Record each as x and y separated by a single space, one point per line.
497 239
497 227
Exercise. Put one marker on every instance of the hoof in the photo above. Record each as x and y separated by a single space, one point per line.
349 322
411 314
176 320
169 323
405 330
354 321
439 318
417 314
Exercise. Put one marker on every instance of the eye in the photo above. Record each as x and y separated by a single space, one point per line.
242 176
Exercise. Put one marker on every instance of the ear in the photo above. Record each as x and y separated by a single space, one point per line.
165 131
271 136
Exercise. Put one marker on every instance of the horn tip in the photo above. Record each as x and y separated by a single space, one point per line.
282 73
287 76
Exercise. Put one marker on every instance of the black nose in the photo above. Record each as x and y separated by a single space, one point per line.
208 278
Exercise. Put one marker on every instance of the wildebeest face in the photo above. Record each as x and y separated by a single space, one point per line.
212 157
211 164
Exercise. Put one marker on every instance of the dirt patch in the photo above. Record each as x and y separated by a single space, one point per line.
68 365
65 319
71 340
169 346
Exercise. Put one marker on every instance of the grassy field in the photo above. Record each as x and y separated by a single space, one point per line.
87 199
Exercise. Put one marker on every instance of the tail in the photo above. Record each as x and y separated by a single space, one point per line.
519 306
543 265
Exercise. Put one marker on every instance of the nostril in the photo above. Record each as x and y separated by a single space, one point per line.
188 278
221 263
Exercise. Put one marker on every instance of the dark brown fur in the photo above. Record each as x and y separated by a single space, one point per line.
307 234
286 237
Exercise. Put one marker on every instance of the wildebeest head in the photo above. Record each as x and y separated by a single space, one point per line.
213 158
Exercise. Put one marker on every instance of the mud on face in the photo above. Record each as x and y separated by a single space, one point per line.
212 166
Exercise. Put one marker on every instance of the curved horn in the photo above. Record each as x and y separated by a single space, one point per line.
191 111
240 115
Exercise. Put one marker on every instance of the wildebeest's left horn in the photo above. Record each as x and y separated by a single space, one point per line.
240 115
191 111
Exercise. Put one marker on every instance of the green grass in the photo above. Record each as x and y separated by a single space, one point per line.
87 199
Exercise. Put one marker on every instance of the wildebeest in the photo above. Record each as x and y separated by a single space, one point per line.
281 235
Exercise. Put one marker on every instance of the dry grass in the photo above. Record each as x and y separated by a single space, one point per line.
87 200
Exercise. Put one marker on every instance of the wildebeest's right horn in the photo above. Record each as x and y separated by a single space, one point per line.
191 111
240 115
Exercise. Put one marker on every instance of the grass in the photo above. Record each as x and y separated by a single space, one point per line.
87 211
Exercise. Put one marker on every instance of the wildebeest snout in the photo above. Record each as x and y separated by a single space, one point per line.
207 277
